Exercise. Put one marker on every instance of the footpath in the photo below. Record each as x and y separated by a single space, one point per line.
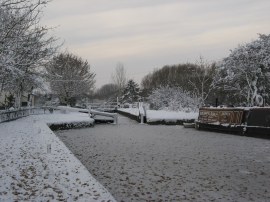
36 166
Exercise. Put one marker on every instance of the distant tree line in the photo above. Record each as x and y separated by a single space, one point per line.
241 79
196 78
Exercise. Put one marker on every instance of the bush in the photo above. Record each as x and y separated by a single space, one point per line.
173 99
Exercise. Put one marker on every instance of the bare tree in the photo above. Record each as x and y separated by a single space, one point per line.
70 78
119 77
173 75
202 80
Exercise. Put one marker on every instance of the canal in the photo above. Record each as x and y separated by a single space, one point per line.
138 162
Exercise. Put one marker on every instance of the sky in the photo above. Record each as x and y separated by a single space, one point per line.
147 34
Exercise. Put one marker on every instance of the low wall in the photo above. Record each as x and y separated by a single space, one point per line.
131 116
11 115
103 121
70 125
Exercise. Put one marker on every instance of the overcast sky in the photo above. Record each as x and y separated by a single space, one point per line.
148 34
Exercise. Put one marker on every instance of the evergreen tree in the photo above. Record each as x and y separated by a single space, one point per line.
131 92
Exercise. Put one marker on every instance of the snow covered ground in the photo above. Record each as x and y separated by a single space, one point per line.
162 115
36 166
140 162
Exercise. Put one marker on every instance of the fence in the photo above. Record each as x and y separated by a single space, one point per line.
19 113
107 106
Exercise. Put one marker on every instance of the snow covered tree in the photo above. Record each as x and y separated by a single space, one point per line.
174 99
70 78
24 46
245 73
131 92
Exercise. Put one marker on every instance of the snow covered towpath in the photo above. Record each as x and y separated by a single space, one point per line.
36 166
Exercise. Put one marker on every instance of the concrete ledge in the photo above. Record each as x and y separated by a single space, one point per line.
131 116
70 125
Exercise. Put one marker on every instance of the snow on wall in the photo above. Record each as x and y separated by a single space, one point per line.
162 115
158 115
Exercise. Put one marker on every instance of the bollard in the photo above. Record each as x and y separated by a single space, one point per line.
115 119
142 118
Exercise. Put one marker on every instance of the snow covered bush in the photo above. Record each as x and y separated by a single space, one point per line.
173 99
245 73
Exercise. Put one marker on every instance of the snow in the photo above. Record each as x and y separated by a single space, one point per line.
67 117
176 99
37 166
93 113
157 115
66 109
141 162
160 115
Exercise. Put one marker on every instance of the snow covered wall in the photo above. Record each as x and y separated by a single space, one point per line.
161 116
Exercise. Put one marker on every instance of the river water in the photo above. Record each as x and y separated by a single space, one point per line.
138 162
